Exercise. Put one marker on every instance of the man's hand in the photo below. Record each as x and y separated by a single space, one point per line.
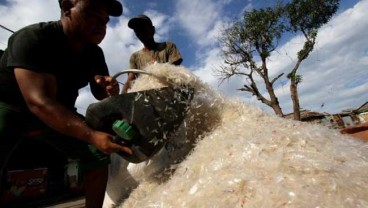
103 142
110 85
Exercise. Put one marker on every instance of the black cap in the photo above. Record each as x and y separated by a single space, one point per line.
115 8
138 21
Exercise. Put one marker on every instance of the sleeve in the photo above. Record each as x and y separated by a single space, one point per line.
101 68
174 54
27 49
132 62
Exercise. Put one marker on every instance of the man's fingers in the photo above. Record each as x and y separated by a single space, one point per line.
106 81
98 78
121 148
126 150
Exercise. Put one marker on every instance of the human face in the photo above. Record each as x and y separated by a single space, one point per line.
91 21
145 33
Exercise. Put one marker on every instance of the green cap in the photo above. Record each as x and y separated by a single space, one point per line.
123 129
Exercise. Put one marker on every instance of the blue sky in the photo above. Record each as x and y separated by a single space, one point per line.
334 76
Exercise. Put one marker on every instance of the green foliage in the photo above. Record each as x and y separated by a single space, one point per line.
298 78
310 14
257 32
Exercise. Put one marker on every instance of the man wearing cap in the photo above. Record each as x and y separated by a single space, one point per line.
153 52
41 72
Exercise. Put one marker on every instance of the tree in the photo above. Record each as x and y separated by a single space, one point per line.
252 39
306 16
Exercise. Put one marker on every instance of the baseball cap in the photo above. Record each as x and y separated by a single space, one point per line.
138 21
115 8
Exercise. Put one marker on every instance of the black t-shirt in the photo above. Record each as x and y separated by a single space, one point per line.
43 48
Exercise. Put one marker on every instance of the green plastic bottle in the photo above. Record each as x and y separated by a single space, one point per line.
123 130
126 133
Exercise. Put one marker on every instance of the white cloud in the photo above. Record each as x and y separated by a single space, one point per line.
19 13
199 18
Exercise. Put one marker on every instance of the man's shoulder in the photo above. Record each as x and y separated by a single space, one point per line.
37 31
170 44
41 26
166 44
136 53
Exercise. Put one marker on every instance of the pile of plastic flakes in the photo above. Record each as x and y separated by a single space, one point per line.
244 157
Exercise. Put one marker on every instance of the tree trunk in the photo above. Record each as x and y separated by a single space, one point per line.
277 109
295 98
275 105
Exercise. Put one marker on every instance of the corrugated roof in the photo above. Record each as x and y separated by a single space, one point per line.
362 109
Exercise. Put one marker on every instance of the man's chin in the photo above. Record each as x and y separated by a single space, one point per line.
97 39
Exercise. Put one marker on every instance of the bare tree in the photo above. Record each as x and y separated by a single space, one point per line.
248 43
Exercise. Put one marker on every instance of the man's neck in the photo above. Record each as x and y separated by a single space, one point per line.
150 46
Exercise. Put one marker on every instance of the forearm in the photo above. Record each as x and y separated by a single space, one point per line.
39 91
54 115
128 82
126 86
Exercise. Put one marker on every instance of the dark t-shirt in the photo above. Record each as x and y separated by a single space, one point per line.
43 48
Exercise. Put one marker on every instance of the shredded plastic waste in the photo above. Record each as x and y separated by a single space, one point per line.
240 156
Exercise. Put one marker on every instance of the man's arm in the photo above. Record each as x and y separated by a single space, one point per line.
39 91
175 56
131 76
128 83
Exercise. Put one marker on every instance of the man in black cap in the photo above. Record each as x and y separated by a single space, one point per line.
41 72
152 52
